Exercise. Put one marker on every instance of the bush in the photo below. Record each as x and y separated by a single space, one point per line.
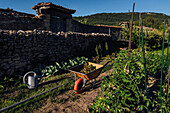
153 41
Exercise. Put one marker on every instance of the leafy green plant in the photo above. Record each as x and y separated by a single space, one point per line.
88 68
84 21
59 68
97 51
96 59
100 51
107 48
121 87
165 105
123 90
153 40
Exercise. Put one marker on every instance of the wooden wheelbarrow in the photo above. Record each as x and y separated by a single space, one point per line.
83 78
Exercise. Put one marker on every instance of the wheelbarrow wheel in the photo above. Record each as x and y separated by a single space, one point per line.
78 86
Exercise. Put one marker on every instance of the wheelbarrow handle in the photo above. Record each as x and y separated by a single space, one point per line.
107 63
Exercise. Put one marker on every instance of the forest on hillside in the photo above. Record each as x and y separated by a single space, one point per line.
153 20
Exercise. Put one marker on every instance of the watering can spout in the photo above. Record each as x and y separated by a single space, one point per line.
39 78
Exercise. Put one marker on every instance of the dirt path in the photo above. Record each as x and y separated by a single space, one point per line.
69 102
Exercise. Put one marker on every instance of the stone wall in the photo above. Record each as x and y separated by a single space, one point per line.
13 20
83 28
21 51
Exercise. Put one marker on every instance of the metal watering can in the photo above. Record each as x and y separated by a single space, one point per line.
33 79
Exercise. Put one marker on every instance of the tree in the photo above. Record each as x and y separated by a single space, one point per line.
161 28
151 22
84 21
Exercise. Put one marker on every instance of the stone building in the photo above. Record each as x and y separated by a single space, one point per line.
50 17
124 24
56 18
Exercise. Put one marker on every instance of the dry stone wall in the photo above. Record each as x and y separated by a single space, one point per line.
13 20
21 51
84 28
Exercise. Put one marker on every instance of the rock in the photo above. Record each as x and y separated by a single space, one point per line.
29 67
1 74
19 65
16 59
21 31
41 55
5 47
5 66
10 72
29 32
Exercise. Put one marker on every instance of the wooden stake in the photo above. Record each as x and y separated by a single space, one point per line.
131 26
139 31
129 22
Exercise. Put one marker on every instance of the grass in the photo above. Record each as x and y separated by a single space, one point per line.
41 100
12 95
19 91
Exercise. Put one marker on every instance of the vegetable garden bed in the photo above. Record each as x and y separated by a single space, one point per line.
124 89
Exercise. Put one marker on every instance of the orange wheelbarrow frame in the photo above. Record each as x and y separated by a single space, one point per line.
86 77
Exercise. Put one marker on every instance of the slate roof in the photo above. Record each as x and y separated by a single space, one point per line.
70 11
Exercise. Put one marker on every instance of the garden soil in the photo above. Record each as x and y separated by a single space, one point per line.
69 102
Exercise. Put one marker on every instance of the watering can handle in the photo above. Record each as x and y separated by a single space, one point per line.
26 75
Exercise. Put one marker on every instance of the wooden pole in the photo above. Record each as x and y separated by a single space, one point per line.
129 22
139 31
131 26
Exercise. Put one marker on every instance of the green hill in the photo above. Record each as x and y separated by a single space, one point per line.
116 18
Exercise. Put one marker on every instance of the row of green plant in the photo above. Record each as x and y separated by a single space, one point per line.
153 38
59 68
124 90
105 52
49 71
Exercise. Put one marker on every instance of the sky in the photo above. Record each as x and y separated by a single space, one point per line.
88 7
